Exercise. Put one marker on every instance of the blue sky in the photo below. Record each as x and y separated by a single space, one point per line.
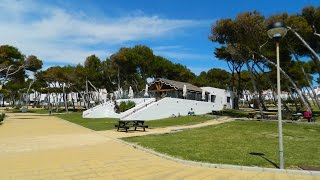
66 32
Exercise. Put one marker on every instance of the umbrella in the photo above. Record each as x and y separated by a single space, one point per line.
184 91
69 97
203 94
111 95
103 95
130 95
146 91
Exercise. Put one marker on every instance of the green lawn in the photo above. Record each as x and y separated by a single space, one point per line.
100 124
182 120
97 124
249 143
30 110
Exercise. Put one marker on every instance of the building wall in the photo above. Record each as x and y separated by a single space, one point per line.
221 96
167 107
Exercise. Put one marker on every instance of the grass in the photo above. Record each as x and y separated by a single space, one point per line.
316 115
30 110
97 124
182 120
248 143
100 124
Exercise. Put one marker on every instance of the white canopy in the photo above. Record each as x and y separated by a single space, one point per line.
146 90
130 95
184 91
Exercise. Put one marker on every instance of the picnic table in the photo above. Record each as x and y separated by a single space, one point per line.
127 124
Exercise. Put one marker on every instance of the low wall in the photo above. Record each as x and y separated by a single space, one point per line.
167 107
107 109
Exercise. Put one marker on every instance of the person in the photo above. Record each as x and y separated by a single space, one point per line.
191 112
307 115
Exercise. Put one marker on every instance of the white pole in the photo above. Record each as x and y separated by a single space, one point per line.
279 111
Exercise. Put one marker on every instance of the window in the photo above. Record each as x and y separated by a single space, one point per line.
228 99
213 98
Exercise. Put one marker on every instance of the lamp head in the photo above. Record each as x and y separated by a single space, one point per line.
277 30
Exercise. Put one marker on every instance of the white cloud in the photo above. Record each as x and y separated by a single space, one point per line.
182 55
54 34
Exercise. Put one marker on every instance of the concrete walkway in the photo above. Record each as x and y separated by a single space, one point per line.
46 147
171 129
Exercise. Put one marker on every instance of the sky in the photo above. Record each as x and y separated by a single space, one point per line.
61 32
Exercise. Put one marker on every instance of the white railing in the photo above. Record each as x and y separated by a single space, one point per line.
137 108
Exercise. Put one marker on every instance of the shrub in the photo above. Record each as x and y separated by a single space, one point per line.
130 104
125 105
2 116
235 113
17 106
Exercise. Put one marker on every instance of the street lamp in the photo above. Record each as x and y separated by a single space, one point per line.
276 31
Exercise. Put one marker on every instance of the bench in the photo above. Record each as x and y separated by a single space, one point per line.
127 124
296 116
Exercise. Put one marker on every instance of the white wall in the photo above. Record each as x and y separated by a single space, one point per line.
107 109
148 109
165 107
103 110
221 96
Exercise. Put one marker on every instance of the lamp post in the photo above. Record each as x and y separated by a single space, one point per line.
276 31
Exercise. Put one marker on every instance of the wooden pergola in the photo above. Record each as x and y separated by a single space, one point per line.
168 88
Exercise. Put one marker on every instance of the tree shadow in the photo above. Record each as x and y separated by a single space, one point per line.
263 157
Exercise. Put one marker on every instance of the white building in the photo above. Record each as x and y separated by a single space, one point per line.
169 98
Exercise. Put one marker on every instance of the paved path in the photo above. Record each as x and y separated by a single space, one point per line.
171 129
46 147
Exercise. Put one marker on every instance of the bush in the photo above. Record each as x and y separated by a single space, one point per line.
17 107
2 116
125 105
235 113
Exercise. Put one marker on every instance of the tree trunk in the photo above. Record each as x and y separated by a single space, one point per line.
264 107
310 95
315 98
254 85
64 98
83 97
74 107
316 58
236 98
273 98
291 81
294 101
28 98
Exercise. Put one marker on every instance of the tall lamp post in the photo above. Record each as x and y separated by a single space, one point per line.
276 31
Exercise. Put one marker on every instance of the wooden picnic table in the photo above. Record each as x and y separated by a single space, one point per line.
127 124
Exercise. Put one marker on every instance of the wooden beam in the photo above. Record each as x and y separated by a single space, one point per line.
162 90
